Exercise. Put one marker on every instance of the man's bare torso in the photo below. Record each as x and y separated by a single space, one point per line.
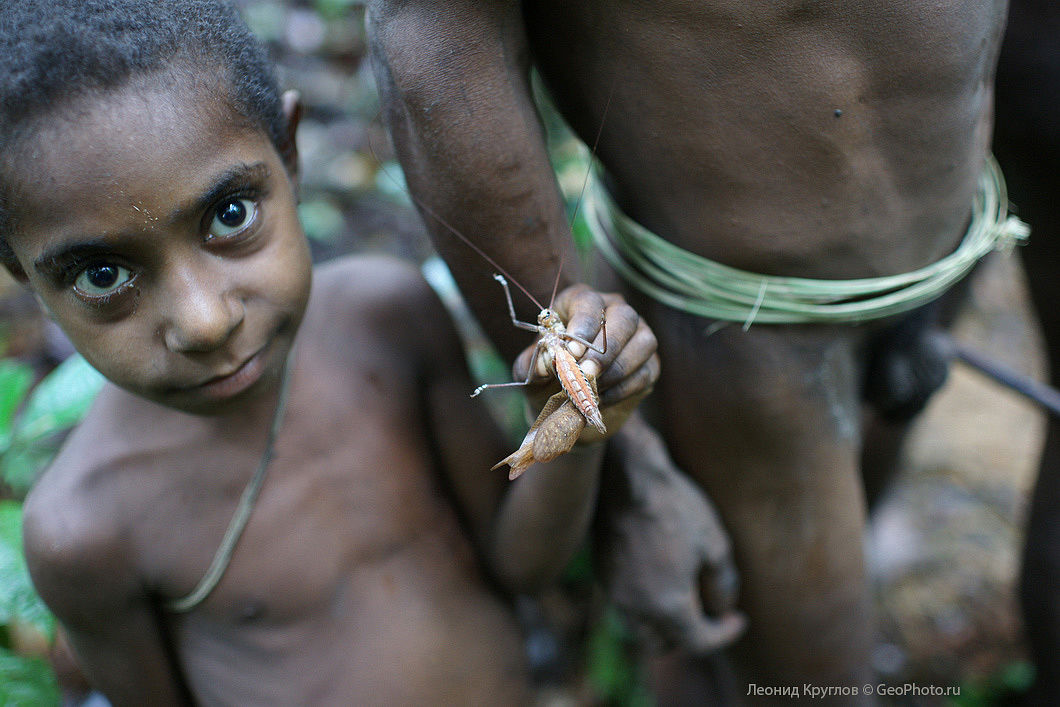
353 582
819 139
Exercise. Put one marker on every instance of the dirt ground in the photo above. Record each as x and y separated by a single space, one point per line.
944 543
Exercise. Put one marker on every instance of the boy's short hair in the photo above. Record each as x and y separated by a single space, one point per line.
52 51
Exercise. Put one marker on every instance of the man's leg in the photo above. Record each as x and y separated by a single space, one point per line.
767 421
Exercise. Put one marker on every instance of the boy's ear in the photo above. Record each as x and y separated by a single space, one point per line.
11 264
13 268
292 112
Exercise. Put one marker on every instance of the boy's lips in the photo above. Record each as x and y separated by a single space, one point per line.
227 385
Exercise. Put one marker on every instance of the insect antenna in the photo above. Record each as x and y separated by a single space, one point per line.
585 182
449 227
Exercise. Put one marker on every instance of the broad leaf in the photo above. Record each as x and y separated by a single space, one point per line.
27 682
59 401
18 600
21 464
15 380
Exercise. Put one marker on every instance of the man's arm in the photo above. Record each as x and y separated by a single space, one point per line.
83 575
453 76
454 81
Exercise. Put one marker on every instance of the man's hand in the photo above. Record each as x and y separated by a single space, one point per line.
625 373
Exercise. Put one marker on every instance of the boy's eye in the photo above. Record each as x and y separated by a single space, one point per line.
101 280
231 216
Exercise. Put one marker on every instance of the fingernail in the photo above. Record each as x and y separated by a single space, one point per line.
541 369
577 349
590 368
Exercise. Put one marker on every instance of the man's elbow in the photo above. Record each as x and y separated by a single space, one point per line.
405 51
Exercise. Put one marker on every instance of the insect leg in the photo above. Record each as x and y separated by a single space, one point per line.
511 307
587 344
513 384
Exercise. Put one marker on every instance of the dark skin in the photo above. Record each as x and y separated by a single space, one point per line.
1027 143
831 140
370 567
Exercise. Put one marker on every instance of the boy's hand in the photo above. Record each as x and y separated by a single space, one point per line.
665 559
625 373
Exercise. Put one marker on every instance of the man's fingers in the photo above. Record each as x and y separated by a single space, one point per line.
634 386
620 325
707 634
522 364
583 310
637 350
627 368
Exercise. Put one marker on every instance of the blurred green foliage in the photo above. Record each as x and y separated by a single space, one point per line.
611 663
28 440
26 682
1009 685
18 601
333 9
32 419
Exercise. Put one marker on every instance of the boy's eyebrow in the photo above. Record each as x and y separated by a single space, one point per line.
52 263
237 177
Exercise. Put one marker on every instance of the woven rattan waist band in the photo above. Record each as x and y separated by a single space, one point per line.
700 286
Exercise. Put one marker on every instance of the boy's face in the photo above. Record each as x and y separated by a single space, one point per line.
161 234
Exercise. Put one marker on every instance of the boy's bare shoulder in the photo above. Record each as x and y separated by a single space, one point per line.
69 543
76 516
371 282
381 295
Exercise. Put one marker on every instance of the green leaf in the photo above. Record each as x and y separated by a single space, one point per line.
27 682
321 221
18 599
1017 677
332 9
59 401
15 380
22 464
611 668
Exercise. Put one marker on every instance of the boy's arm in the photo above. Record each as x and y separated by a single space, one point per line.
528 529
108 618
454 81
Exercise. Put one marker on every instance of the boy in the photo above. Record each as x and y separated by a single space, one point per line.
829 141
149 201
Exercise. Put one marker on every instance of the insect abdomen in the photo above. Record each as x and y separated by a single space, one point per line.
577 387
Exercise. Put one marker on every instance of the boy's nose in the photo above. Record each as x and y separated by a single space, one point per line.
202 316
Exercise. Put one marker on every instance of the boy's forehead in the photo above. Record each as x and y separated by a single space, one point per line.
131 147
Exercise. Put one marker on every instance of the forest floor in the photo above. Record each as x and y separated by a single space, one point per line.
944 544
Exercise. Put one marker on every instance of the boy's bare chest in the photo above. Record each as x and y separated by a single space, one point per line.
351 482
349 548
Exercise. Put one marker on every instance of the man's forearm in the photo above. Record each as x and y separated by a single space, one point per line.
454 80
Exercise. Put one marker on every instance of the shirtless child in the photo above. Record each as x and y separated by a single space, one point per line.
823 140
148 183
